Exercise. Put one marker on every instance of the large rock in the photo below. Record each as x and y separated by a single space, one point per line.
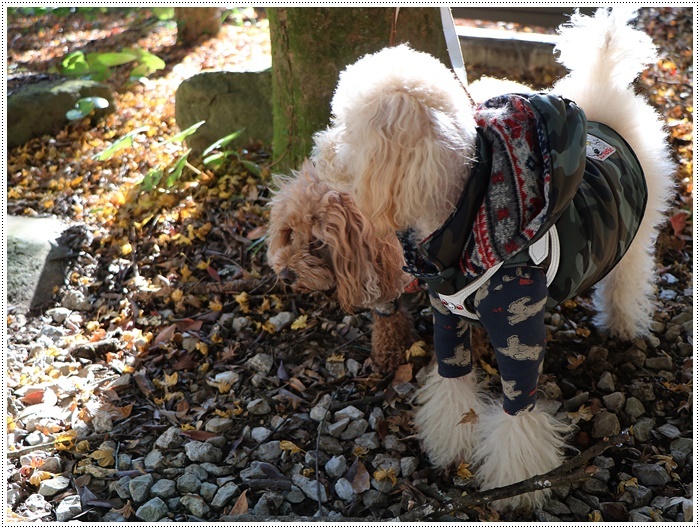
40 108
228 101
34 260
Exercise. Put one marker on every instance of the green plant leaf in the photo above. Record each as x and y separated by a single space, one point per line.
252 167
217 159
176 172
152 179
183 134
75 64
163 13
111 58
147 63
85 106
222 142
122 143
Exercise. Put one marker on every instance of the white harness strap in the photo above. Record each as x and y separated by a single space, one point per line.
548 244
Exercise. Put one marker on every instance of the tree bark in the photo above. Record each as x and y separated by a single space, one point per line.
311 46
195 22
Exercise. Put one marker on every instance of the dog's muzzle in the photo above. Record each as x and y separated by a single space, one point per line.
288 276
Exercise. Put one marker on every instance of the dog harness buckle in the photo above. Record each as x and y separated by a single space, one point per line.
547 245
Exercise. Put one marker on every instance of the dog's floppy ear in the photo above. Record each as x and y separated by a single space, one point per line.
367 268
403 150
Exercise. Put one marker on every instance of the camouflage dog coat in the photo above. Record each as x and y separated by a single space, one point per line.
549 191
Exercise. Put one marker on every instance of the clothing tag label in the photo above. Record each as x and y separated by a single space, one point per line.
598 149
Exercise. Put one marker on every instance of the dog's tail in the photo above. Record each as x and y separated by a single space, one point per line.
605 48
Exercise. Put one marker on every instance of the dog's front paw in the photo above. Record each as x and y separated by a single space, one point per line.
446 436
512 448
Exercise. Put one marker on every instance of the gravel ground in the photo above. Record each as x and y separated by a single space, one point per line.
126 405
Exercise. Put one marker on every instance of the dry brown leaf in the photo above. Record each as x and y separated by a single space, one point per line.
241 505
469 418
463 471
404 373
385 474
290 446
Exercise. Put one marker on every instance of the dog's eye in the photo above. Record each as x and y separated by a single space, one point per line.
288 236
316 244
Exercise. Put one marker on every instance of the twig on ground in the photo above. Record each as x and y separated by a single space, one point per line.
559 476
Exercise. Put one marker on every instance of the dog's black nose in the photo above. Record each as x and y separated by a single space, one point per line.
288 276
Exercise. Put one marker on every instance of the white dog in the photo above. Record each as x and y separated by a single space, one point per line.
506 210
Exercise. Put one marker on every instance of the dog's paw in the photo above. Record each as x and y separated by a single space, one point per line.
512 448
446 436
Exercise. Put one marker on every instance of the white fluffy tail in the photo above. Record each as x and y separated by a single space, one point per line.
604 47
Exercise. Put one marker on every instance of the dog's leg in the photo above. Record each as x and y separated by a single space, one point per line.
516 442
446 436
451 399
392 335
624 298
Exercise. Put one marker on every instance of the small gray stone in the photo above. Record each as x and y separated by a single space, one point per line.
75 300
660 363
385 462
224 495
123 462
594 486
351 412
369 440
336 466
58 314
374 417
642 429
102 422
140 487
52 486
673 332
650 474
354 429
282 320
634 407
262 363
259 407
268 504
37 504
195 504
669 430
615 401
240 323
312 456
188 483
639 517
121 487
336 368
164 489
578 508
260 433
545 517
54 333
330 445
606 382
197 470
408 465
152 511
644 391
296 495
253 472
681 448
353 366
51 464
154 460
575 402
343 488
310 487
207 491
374 499
636 496
605 424
269 452
337 428
214 470
171 438
391 442
198 452
218 425
69 508
36 438
113 517
320 411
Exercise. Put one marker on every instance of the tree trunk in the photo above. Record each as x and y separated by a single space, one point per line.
195 22
311 46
